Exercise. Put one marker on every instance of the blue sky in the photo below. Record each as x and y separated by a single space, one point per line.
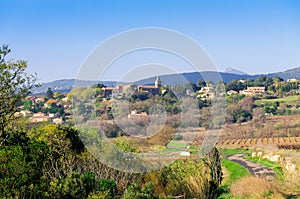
255 36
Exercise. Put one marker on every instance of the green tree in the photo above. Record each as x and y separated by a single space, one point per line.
58 95
15 86
271 108
137 192
73 186
62 139
235 85
81 109
49 93
21 163
98 86
108 187
124 144
241 111
277 80
214 163
28 105
193 86
201 83
13 175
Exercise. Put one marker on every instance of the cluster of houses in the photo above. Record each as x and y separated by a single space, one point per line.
40 117
258 90
121 89
250 91
207 92
43 117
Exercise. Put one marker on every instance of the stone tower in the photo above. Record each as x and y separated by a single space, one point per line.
157 82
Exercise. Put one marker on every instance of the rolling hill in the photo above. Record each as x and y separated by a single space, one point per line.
175 79
65 85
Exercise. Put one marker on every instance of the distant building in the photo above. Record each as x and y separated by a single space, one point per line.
206 92
33 98
293 80
157 82
154 90
57 121
127 89
40 119
110 92
39 114
185 153
254 91
163 91
232 92
25 113
39 99
65 99
148 89
52 115
205 95
18 114
206 89
49 102
189 92
134 115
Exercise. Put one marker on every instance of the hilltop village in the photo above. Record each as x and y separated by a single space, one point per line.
57 107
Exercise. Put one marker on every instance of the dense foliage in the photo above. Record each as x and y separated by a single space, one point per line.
45 160
15 85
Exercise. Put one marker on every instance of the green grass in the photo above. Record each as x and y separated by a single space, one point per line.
280 100
173 146
275 166
165 149
236 171
177 144
228 152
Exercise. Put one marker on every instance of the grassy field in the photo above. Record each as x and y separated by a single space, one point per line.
177 144
232 172
280 100
227 152
235 170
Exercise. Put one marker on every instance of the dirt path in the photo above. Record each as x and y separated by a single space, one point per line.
254 168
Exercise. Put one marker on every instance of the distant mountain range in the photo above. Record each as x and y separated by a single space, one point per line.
234 71
65 85
182 78
288 74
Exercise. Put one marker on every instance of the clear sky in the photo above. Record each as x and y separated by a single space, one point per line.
55 36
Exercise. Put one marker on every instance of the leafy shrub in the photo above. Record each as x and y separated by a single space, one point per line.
178 137
107 187
137 192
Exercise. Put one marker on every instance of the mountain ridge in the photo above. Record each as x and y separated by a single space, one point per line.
234 71
65 85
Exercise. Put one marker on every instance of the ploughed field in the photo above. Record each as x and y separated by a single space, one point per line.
280 142
281 131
